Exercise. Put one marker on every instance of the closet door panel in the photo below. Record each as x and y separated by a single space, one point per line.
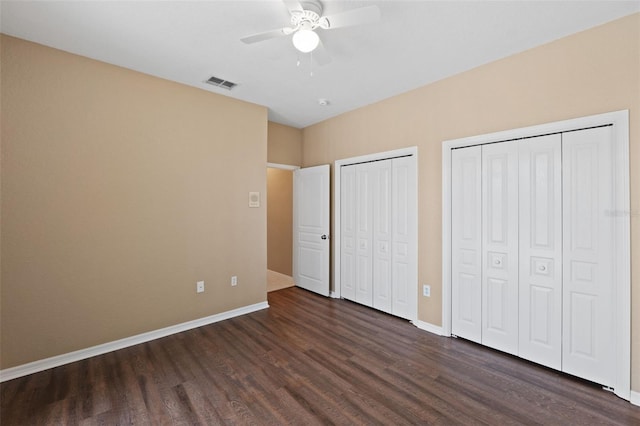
500 246
587 277
348 232
364 234
382 236
403 227
540 247
466 243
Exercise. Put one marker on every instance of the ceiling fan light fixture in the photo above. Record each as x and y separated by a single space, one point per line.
305 40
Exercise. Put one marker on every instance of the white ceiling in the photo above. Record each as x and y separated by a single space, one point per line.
414 43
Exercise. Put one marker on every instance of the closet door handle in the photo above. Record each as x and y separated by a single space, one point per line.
324 236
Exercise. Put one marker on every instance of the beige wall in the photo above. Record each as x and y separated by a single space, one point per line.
285 145
279 220
592 72
119 192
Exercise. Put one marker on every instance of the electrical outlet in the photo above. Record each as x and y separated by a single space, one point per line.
234 280
200 287
426 290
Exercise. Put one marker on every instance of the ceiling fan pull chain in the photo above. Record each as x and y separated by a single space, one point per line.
311 64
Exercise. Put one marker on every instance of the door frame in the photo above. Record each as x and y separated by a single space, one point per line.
282 166
290 168
621 216
411 151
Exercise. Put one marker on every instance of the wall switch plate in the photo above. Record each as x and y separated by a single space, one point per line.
234 280
426 290
200 287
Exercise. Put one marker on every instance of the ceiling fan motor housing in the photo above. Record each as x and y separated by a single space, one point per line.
311 13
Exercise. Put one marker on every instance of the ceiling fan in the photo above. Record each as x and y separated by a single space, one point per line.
306 17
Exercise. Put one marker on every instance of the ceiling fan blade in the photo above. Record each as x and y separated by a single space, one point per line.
363 15
321 55
263 36
293 5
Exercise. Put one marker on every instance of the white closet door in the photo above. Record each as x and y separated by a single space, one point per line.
404 228
466 243
500 246
541 250
382 237
364 234
587 278
348 232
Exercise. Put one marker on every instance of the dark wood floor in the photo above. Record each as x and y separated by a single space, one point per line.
308 360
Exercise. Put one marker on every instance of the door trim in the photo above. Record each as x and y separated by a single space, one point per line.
621 214
411 151
291 168
282 166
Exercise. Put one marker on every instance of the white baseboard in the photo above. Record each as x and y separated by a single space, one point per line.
635 398
55 361
435 329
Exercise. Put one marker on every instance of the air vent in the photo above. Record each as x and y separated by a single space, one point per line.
225 84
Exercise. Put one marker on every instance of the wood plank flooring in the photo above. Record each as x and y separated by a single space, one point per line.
308 360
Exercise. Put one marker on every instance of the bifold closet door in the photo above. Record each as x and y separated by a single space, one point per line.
540 250
588 329
403 228
382 234
348 232
364 234
532 250
466 243
500 246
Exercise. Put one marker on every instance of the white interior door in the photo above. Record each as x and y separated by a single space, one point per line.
540 244
364 235
377 225
588 326
382 236
311 229
348 237
404 224
500 246
466 243
574 257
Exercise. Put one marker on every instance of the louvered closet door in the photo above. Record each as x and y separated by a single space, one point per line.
404 268
500 246
587 276
540 247
466 243
382 235
348 232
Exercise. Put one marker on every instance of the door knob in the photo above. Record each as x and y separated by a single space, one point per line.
324 236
